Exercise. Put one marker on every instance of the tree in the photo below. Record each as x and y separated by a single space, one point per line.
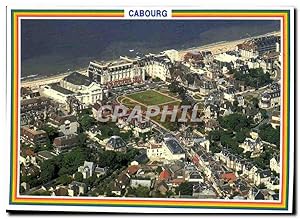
65 179
264 113
234 122
240 136
48 170
255 102
214 135
255 78
159 169
86 121
140 191
269 134
78 177
51 132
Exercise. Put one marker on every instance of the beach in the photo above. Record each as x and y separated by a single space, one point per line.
215 48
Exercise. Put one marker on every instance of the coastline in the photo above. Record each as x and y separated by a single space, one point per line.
215 48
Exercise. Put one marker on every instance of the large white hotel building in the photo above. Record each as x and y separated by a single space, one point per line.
132 70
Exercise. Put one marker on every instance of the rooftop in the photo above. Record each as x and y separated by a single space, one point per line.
116 142
173 146
78 79
60 89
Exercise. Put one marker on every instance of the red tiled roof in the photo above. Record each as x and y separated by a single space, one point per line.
164 175
133 169
229 176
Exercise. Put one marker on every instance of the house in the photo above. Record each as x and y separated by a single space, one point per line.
164 175
275 120
66 142
262 177
229 93
226 109
240 99
141 127
60 191
34 104
133 169
270 99
31 135
100 171
249 170
162 187
203 142
241 187
194 176
66 124
116 189
203 193
123 180
251 145
171 149
229 177
206 87
274 183
255 194
116 143
45 155
211 124
140 181
275 163
77 188
211 111
87 169
155 151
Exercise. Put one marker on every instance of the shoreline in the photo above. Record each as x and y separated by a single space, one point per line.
216 47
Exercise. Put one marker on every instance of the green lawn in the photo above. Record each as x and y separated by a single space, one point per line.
150 97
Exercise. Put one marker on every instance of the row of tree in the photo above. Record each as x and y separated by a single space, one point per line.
255 78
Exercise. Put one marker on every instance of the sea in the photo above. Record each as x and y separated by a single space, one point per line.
50 47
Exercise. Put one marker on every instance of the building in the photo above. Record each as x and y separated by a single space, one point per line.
259 46
129 70
76 188
155 151
203 142
66 124
172 54
251 145
34 104
157 65
87 169
275 120
74 85
116 143
172 149
66 142
168 149
120 72
139 181
206 87
270 99
275 163
45 155
33 136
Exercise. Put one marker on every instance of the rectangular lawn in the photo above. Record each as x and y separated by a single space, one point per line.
150 97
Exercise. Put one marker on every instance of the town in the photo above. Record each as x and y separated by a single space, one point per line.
232 152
